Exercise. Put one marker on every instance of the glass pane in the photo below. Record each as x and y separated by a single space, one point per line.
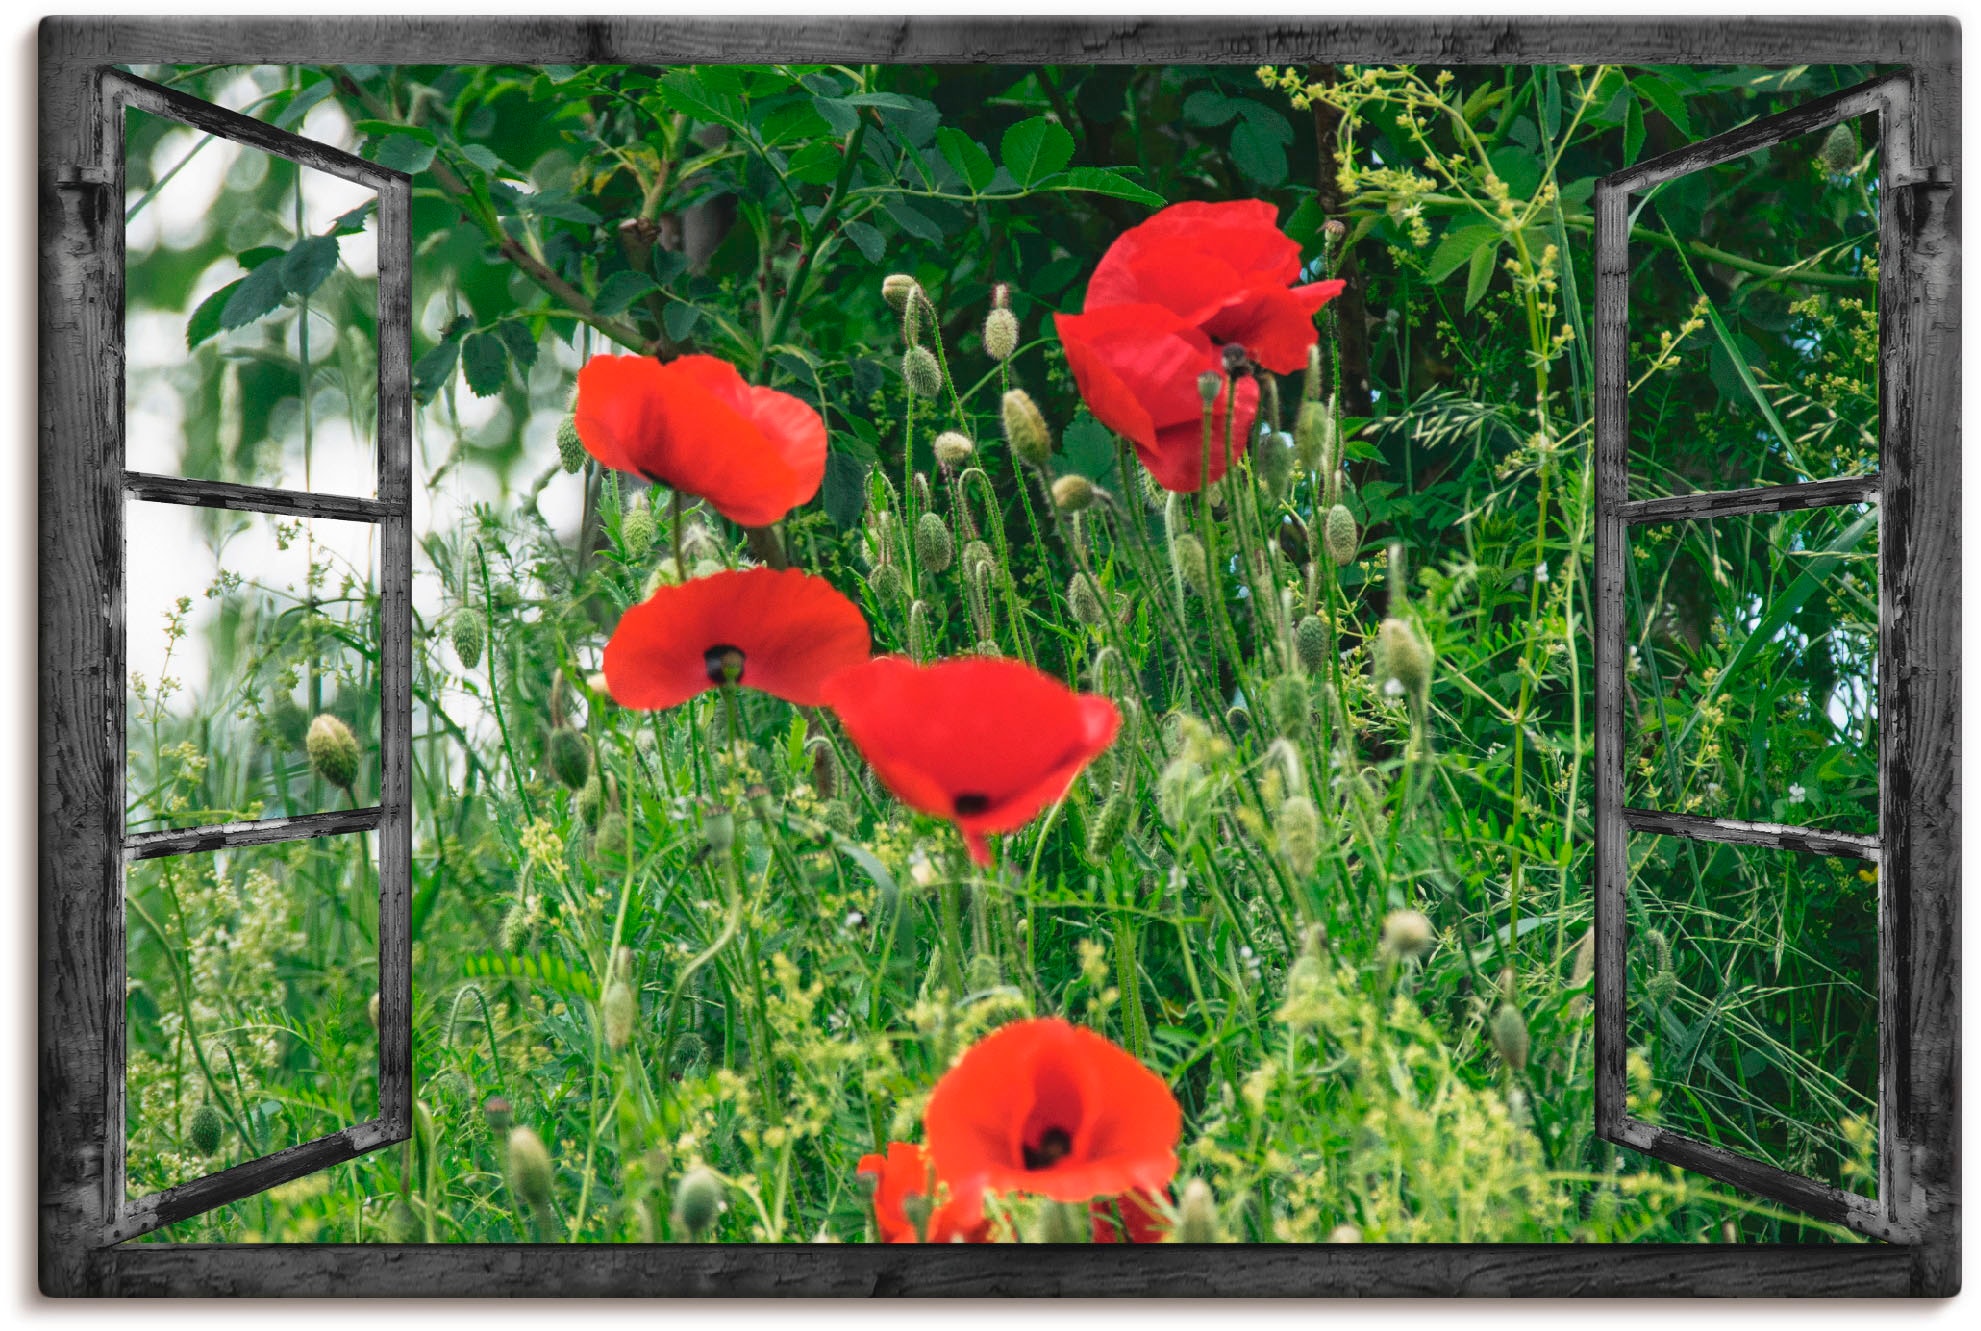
246 634
1781 247
250 316
1753 1003
1752 672
247 1010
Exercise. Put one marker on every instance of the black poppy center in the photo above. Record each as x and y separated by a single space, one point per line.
970 805
724 663
1053 1146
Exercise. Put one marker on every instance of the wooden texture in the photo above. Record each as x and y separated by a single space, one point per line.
1738 832
1761 499
261 832
257 498
1820 1200
245 1180
1817 113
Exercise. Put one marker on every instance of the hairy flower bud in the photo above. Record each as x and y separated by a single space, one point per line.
977 560
953 449
570 757
529 1168
1186 556
1310 642
922 371
1406 933
921 638
935 549
1839 152
898 288
466 631
887 582
617 1010
637 531
1073 492
1209 384
1341 536
1000 334
1298 831
1273 459
333 751
1105 832
1509 1032
1176 791
570 448
1196 1219
1083 599
1288 704
1400 655
204 1132
613 837
1025 428
1313 436
697 1202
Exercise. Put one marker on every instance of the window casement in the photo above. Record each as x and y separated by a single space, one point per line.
90 846
1894 512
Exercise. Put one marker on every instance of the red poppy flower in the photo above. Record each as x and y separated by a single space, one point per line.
982 741
694 425
1225 268
782 631
1047 1108
1130 1218
904 1172
1137 367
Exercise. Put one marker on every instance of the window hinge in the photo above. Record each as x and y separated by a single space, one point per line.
81 177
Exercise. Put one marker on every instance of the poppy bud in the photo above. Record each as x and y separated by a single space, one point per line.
825 768
1839 152
1176 791
1061 1222
886 582
1073 492
898 288
1196 1219
529 1168
921 640
496 1110
1311 388
515 925
982 973
570 757
1509 1031
933 546
570 448
1287 702
333 751
1209 384
1186 555
1108 826
1662 988
1313 434
636 533
697 1202
1273 459
1341 536
1000 334
719 828
953 449
466 630
922 371
613 837
616 1012
1406 933
977 559
1083 598
1310 642
1298 831
1025 428
205 1130
591 795
1401 656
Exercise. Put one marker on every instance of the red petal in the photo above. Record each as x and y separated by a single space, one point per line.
1176 459
617 408
1275 324
904 1172
794 630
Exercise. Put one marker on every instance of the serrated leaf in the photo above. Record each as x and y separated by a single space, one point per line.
620 290
910 219
309 261
302 103
683 90
1034 149
484 364
431 371
817 163
844 491
1662 95
1208 108
557 204
516 336
257 293
1087 447
206 319
252 259
482 156
680 318
1633 132
1458 246
872 244
1102 180
839 113
1257 154
353 222
381 129
402 152
1480 275
970 158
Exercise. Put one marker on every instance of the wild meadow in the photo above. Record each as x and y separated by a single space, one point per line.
1203 458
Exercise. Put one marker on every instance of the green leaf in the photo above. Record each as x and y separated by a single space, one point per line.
259 255
431 371
482 156
1102 180
817 163
683 90
1258 154
680 318
309 261
910 220
1304 224
1208 108
839 113
1633 132
621 289
402 152
1087 447
844 492
557 204
206 319
381 129
541 968
871 242
353 222
484 364
970 158
1034 149
258 293
1480 275
1460 242
522 344
1518 167
1666 98
302 103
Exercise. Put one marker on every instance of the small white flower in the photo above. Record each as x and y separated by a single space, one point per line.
1797 794
1394 688
1245 952
854 919
1541 571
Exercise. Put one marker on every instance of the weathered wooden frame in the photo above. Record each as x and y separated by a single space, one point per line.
83 484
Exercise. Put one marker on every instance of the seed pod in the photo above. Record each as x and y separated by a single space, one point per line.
613 837
570 757
1025 428
1176 791
1341 536
953 449
886 582
1310 642
1839 153
466 631
1000 334
1406 933
897 288
496 1110
1196 1220
697 1202
1509 1032
591 796
205 1130
977 558
1083 599
636 533
617 1010
333 751
515 926
1186 556
529 1168
934 548
719 828
1108 826
1314 437
922 371
1298 831
921 638
1400 655
1209 384
825 768
570 448
1288 703
1073 492
1273 459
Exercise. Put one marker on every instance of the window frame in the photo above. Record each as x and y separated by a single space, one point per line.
83 487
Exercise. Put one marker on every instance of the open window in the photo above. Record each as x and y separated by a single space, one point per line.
1776 575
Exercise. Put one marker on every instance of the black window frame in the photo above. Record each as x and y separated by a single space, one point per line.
83 486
